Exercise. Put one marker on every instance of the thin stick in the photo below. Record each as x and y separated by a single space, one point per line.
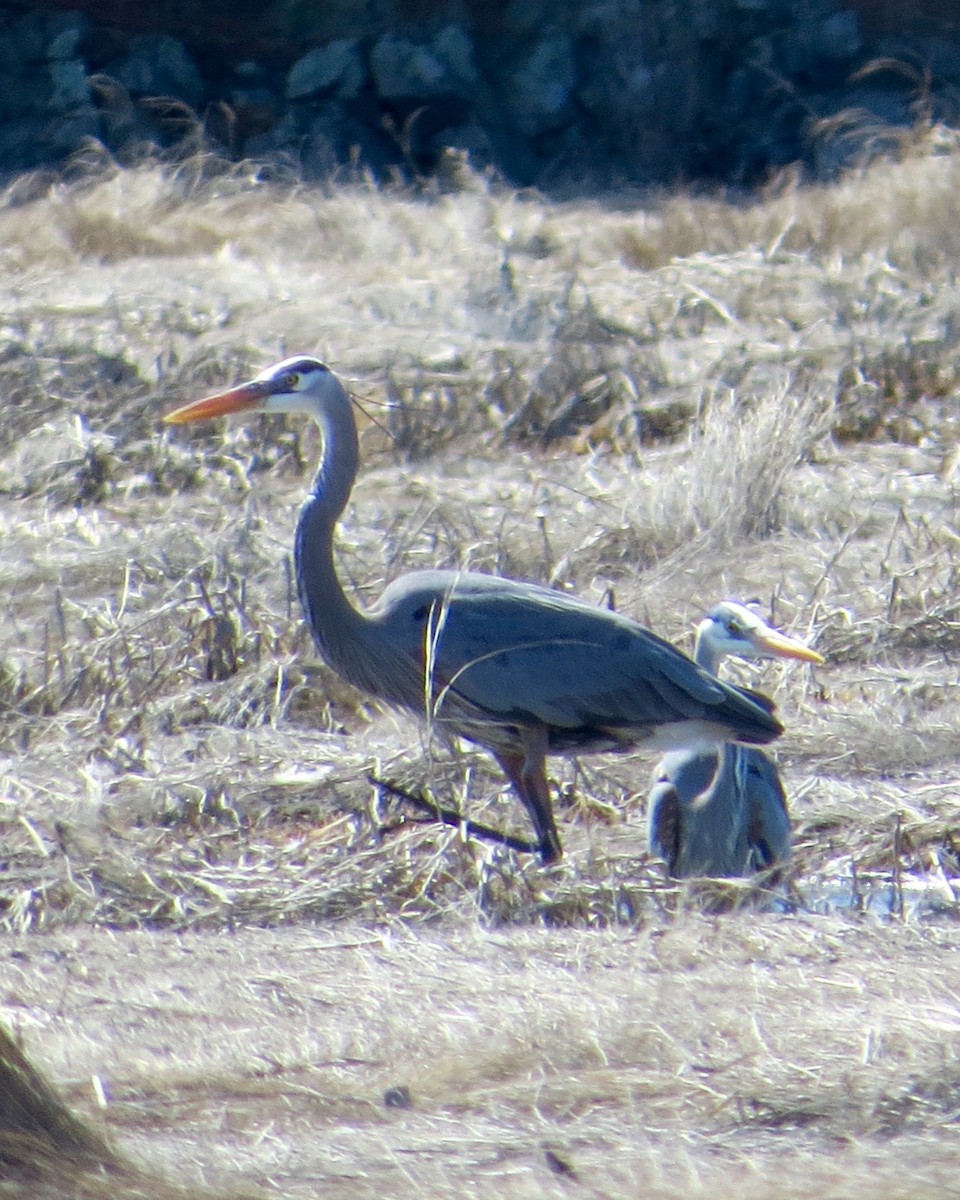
449 816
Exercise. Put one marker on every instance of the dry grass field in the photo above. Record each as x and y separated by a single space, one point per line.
252 973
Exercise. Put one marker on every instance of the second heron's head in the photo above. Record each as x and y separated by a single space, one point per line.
731 628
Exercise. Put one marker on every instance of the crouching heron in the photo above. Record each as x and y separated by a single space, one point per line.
723 811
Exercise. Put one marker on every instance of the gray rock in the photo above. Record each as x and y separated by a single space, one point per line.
67 134
596 20
254 111
706 19
71 86
444 67
542 87
740 93
634 88
942 56
525 16
158 65
64 44
19 141
28 142
29 37
333 139
337 67
323 146
454 49
622 81
839 36
285 134
25 93
403 68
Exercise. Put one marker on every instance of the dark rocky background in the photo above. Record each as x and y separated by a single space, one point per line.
563 94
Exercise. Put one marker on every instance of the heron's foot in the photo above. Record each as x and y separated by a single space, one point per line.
449 816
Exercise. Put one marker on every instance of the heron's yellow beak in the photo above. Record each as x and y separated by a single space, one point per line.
780 646
242 398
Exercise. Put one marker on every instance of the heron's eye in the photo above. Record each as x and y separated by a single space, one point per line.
291 381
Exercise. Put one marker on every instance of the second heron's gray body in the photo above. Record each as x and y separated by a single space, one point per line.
723 811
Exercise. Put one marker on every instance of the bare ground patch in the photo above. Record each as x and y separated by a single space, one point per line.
770 1056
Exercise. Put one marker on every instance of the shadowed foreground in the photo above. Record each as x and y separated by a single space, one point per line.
40 1140
743 1055
46 1152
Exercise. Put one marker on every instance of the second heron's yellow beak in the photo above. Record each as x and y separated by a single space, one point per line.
777 644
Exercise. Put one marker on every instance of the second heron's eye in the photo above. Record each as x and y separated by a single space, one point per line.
291 381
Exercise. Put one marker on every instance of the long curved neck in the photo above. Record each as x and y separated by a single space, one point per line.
706 655
337 627
339 452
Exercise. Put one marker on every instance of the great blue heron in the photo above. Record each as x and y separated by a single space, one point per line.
523 670
723 812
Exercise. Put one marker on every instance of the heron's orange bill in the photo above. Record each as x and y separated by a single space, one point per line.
786 647
238 399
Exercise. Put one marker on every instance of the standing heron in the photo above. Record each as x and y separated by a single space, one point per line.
723 811
521 670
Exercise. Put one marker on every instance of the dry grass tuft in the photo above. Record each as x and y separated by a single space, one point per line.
47 1153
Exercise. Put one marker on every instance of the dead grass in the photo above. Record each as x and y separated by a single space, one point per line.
657 407
524 1063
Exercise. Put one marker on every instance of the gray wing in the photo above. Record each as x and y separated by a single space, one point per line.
523 653
768 821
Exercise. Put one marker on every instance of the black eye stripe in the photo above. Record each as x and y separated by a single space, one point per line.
302 366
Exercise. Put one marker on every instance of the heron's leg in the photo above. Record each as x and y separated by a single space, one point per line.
448 817
526 770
